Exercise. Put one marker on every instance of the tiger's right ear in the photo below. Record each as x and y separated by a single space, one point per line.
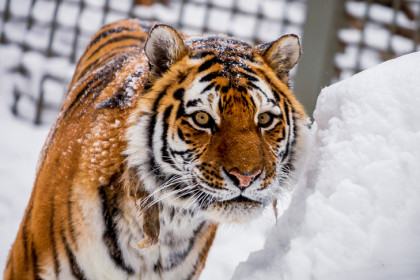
282 55
163 48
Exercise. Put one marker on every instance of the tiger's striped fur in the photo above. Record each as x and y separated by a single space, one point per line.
153 148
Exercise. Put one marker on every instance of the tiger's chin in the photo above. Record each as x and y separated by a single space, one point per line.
234 212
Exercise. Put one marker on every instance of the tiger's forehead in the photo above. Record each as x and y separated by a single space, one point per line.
223 47
228 88
225 77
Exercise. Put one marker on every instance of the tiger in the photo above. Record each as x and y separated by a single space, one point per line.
161 138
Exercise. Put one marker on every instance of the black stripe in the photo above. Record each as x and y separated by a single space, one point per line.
211 76
208 63
286 113
202 54
220 106
207 88
165 154
242 90
114 40
154 168
201 256
182 153
110 212
290 165
254 86
34 256
178 258
247 76
172 214
275 127
104 59
245 56
182 77
25 233
180 112
74 266
252 102
103 78
53 241
179 94
277 92
106 33
181 135
120 98
193 102
225 89
157 267
244 100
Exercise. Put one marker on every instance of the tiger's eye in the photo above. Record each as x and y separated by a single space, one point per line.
202 118
264 119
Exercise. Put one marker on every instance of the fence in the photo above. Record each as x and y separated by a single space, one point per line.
343 37
340 37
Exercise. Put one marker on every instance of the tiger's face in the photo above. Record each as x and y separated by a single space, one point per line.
217 129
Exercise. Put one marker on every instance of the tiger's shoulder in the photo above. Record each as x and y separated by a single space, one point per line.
107 83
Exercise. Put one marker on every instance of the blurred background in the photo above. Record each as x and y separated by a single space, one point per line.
44 38
41 41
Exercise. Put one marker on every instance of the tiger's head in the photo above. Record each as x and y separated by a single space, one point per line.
217 129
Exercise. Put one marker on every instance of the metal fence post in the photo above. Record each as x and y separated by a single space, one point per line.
320 43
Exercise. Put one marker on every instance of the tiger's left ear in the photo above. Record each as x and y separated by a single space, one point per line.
163 48
281 55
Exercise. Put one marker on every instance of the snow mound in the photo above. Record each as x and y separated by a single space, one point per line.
355 213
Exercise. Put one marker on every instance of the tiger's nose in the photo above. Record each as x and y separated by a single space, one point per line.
243 181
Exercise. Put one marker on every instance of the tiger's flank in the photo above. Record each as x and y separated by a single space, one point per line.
161 137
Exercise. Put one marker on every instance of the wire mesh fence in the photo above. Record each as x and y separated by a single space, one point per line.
377 31
50 35
46 37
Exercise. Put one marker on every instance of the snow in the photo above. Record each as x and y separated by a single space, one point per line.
356 209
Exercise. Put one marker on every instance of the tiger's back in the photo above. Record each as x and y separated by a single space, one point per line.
116 144
85 146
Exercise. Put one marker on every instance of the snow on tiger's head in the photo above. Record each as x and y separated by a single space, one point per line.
217 129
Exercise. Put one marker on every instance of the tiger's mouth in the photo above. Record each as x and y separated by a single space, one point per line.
242 199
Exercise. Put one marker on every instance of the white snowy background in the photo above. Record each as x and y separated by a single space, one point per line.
355 211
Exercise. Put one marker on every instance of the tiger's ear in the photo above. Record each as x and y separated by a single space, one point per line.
163 48
281 55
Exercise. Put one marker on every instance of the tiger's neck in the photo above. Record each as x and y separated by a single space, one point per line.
184 239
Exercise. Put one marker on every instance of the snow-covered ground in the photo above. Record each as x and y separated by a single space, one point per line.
355 213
